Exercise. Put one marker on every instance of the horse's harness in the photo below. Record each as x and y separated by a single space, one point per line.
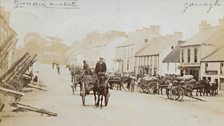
101 79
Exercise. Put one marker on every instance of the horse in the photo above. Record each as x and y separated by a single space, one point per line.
102 90
115 80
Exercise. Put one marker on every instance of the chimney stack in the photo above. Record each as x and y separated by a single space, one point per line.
204 25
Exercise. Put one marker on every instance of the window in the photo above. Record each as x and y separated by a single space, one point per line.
144 63
195 55
206 67
155 60
127 64
141 58
188 55
147 62
128 53
139 61
182 56
168 67
221 68
175 68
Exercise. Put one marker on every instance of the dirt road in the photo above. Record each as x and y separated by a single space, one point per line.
124 109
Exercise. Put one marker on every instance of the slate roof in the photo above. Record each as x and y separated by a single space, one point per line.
217 55
214 36
173 56
155 47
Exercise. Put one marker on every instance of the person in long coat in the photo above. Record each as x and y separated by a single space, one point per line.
100 66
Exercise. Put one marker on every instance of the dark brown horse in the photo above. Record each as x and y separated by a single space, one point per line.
102 90
115 80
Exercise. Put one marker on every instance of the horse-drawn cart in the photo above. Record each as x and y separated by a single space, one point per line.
181 87
93 84
148 85
88 85
115 80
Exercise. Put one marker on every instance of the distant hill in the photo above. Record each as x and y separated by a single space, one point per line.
49 49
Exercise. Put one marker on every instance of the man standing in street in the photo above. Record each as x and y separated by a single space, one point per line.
58 68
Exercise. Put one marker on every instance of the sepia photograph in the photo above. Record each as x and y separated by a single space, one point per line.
112 62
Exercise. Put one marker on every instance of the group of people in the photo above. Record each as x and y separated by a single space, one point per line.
101 67
57 66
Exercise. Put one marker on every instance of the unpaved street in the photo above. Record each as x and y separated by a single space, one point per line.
124 109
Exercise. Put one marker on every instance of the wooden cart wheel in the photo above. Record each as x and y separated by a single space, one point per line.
152 88
177 93
83 94
145 89
174 93
181 94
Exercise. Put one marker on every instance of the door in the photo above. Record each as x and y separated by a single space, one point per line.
221 86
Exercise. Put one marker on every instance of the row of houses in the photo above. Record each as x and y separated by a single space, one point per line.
147 52
143 54
201 55
96 45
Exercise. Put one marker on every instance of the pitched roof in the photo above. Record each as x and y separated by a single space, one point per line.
155 47
215 56
214 35
173 56
126 43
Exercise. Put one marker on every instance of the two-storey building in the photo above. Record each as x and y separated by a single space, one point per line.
199 46
149 59
125 57
212 67
136 41
172 60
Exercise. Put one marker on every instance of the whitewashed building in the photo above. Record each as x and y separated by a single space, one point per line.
136 41
212 67
105 49
199 46
172 60
149 59
125 57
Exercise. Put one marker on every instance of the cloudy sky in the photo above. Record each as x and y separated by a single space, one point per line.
106 15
